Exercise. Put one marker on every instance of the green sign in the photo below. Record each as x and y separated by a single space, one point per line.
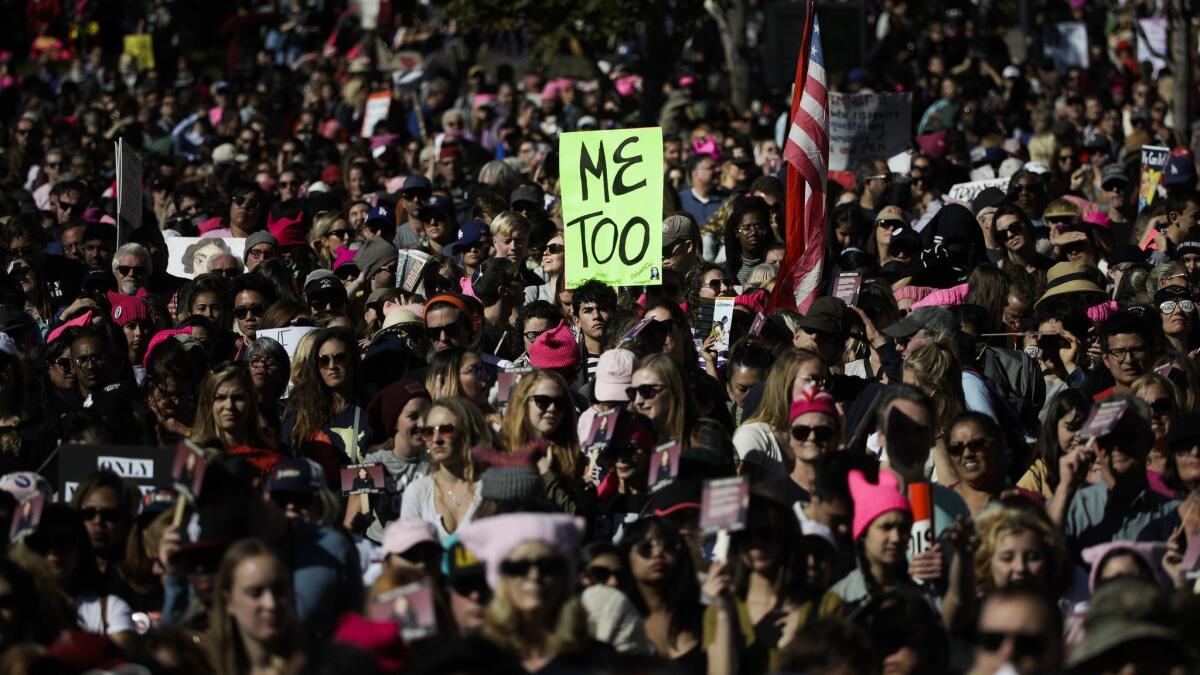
612 197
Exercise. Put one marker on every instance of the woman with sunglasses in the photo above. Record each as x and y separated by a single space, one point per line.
330 231
227 409
1013 232
888 220
458 372
759 441
815 430
657 391
553 262
976 448
1162 396
448 497
1183 475
540 410
324 409
1178 312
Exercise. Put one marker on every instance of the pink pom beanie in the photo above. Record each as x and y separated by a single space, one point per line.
872 500
556 348
813 400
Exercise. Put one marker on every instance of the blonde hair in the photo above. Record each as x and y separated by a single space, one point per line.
473 430
321 226
568 632
206 427
999 520
937 372
303 348
516 430
682 411
226 653
777 390
508 224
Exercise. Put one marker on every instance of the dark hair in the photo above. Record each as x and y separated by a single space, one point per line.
494 273
1145 572
1128 323
595 549
594 291
768 185
1067 401
988 288
1023 593
770 522
748 354
539 309
829 644
311 402
733 246
682 596
898 391
898 620
984 421
255 283
832 468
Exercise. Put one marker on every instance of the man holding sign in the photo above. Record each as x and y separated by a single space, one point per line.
612 187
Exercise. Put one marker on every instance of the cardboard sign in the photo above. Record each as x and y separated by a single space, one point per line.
187 470
27 517
360 479
147 467
965 192
188 257
409 266
1066 43
411 606
289 337
865 126
664 465
612 196
1103 418
920 496
378 106
846 287
1154 161
129 191
141 47
724 503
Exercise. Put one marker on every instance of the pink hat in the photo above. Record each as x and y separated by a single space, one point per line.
127 308
1102 312
556 348
492 539
1151 552
159 338
406 533
78 322
288 231
209 225
755 301
380 639
812 399
912 292
872 500
614 374
344 255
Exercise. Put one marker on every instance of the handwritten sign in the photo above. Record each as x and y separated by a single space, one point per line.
612 192
289 336
866 126
141 47
965 192
189 257
378 106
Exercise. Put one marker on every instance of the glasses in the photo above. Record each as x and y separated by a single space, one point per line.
451 330
248 203
130 270
245 311
91 360
645 548
63 363
321 305
601 574
482 372
1135 353
24 131
890 224
416 195
717 285
646 391
1027 187
467 585
554 249
442 430
543 402
752 227
532 335
261 253
1161 407
880 176
1009 233
1168 308
341 234
107 515
550 566
286 184
1024 644
330 360
264 364
975 444
818 434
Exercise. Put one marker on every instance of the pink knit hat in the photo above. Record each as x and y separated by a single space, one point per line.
755 301
813 400
872 500
556 348
127 308
344 255
160 337
492 539
78 322
912 292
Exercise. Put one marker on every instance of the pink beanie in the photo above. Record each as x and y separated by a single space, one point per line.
1102 312
160 337
492 539
78 322
127 308
813 400
912 292
344 255
872 500
556 348
755 301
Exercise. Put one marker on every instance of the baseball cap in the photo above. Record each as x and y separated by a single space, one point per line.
323 285
614 374
826 315
437 207
401 535
416 182
679 228
1179 171
296 475
923 318
468 234
380 216
1113 173
530 194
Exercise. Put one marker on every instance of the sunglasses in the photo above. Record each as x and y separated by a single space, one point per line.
299 500
320 305
550 566
346 272
1023 644
341 234
544 402
245 311
243 201
330 360
467 585
601 574
646 391
716 285
130 270
451 330
1026 187
91 360
975 444
554 249
259 253
1161 406
1005 235
1168 308
645 548
107 515
286 184
819 434
416 195
890 223
63 364
441 430
481 371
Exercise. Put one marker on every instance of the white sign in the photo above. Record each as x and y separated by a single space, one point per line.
376 110
1152 42
965 192
188 257
288 336
867 126
1066 43
129 191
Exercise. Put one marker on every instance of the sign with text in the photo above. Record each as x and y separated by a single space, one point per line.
724 503
147 467
612 195
866 126
965 192
1154 161
378 106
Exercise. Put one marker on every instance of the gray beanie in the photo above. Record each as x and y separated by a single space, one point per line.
509 483
318 274
374 255
256 238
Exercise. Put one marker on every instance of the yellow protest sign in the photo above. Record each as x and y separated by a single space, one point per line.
612 197
141 47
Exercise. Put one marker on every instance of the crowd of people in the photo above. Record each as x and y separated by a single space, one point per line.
984 458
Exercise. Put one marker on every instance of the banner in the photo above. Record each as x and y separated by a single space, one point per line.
148 468
1152 42
612 196
376 110
1154 161
965 192
129 191
1066 43
189 257
867 126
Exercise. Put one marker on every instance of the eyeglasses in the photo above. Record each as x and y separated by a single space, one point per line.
554 249
1024 644
1168 308
601 574
91 360
532 335
550 566
451 330
260 253
481 371
1026 187
330 360
247 202
265 364
130 270
245 311
107 515
543 402
1161 406
1135 353
63 363
442 430
975 444
645 548
416 195
341 234
717 285
819 434
890 223
646 391
752 227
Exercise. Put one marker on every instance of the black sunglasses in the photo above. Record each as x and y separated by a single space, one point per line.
554 249
646 391
450 329
601 574
550 566
129 270
976 445
717 284
89 513
245 311
247 202
1024 644
329 360
544 402
467 585
819 434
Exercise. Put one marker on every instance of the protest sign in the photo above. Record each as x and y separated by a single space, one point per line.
1152 42
664 465
1066 43
129 191
1154 161
965 192
362 479
846 287
288 336
612 195
188 469
141 47
724 503
147 467
920 496
189 257
27 517
867 126
376 110
1103 419
410 606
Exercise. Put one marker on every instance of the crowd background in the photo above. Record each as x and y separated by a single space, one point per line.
957 383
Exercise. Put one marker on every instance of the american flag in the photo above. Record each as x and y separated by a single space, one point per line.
807 153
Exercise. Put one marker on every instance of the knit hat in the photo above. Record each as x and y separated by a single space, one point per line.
78 322
872 500
492 539
344 256
405 533
556 348
287 231
374 255
813 400
459 301
126 308
511 483
256 238
386 404
614 620
614 374
379 639
159 338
